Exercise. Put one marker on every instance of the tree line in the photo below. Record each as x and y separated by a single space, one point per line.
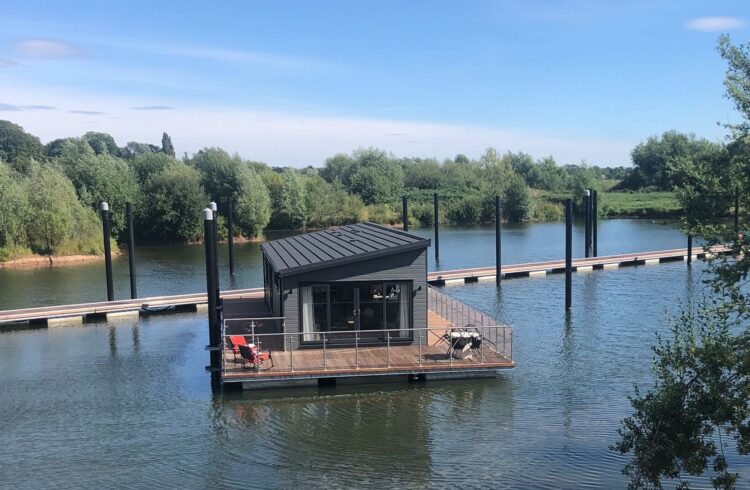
51 191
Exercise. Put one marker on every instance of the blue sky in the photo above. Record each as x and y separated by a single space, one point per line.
293 82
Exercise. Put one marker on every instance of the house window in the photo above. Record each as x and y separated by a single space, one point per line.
368 308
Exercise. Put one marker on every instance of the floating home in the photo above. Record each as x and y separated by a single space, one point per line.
352 304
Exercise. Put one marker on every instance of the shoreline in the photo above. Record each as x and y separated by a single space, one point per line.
39 261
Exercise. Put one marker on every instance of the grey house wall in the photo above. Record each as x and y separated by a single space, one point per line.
406 266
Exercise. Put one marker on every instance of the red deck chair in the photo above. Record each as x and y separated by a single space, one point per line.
237 341
250 355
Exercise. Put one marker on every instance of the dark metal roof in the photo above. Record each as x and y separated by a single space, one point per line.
340 245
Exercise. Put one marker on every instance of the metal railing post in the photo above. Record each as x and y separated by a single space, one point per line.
481 348
420 346
388 347
291 355
356 350
325 358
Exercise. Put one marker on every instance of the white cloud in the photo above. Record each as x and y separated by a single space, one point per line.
227 55
48 49
281 138
715 24
6 63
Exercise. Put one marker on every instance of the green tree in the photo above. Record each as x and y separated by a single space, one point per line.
19 148
166 145
13 209
102 143
290 210
52 213
376 177
170 207
98 178
253 206
222 175
517 200
699 404
338 168
651 158
150 164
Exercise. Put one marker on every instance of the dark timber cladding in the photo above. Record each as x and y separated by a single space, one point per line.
336 246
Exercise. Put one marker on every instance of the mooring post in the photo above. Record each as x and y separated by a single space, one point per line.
498 250
106 231
436 220
690 234
131 250
209 242
568 252
405 212
587 223
736 210
213 207
594 222
230 238
690 249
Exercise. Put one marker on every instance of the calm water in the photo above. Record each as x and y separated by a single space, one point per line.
129 403
181 269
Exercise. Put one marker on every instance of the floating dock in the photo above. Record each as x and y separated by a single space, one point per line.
532 269
128 308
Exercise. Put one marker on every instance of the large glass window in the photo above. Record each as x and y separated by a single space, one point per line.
345 307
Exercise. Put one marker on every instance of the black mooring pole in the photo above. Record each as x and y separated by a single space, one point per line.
230 231
690 233
594 222
209 242
498 250
106 231
405 212
587 223
736 210
213 207
131 250
437 227
568 253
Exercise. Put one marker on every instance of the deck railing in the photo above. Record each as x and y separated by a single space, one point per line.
461 315
359 350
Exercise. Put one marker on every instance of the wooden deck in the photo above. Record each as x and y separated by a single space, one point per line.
348 362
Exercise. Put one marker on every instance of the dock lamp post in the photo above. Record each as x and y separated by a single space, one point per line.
213 207
107 232
230 237
209 242
498 249
436 219
568 253
587 222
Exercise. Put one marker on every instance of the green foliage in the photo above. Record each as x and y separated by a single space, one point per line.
737 80
102 143
376 178
253 206
222 176
146 165
517 201
652 158
13 208
330 204
57 222
98 178
166 145
289 202
169 209
19 148
700 401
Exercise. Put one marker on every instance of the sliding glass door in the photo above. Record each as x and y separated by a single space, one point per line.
346 307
